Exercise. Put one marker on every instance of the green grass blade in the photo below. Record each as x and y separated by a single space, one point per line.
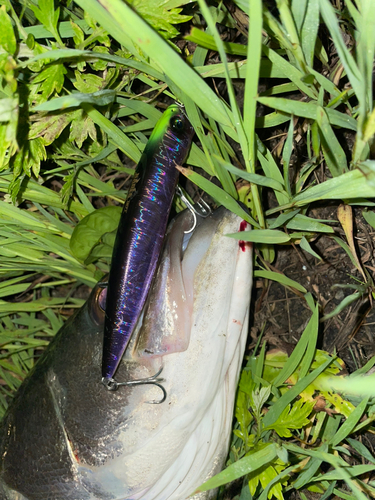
349 424
122 22
264 236
346 58
345 186
309 31
309 110
289 71
238 469
218 194
254 178
117 137
304 223
292 393
279 278
296 357
333 153
254 50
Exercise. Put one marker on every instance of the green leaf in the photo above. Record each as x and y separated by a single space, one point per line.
360 181
90 231
81 128
100 98
369 217
158 16
115 135
122 22
259 398
51 79
8 106
271 120
88 83
281 219
333 152
219 194
304 223
238 469
265 477
254 50
292 418
309 31
305 245
295 359
271 169
50 127
279 278
349 424
344 53
206 40
95 55
65 29
7 37
47 15
260 180
79 35
352 471
290 72
361 449
292 393
264 236
287 153
309 110
343 304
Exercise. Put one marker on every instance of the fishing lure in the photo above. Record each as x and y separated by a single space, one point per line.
141 233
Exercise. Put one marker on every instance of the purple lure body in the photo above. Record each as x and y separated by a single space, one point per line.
141 232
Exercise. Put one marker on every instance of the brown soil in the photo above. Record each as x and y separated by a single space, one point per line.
283 313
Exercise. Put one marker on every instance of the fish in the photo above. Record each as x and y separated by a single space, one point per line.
66 437
141 232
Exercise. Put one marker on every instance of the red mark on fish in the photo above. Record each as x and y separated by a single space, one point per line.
242 243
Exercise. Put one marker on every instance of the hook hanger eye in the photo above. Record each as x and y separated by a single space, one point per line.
112 385
203 210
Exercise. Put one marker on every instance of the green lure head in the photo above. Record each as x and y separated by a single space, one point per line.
173 128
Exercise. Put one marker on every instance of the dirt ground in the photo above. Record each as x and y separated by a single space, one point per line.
283 313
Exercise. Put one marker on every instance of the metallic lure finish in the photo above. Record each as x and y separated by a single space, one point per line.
141 232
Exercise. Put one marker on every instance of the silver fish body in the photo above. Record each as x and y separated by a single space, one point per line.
65 437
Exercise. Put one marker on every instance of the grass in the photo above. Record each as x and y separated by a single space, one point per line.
82 86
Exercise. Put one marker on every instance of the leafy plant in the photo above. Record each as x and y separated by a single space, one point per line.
290 425
82 86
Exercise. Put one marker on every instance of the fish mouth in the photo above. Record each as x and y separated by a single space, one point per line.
195 327
189 261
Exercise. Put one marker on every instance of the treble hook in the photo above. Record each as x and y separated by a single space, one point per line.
204 209
112 385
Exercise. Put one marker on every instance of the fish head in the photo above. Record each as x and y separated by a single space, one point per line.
194 327
199 272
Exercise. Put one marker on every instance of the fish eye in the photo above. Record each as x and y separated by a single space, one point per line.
102 299
177 124
97 303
